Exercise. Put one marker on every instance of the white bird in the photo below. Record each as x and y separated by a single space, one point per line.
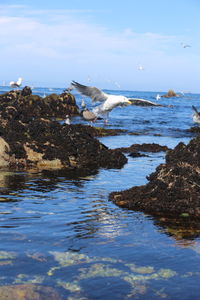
108 101
16 84
140 68
196 115
83 105
67 120
158 97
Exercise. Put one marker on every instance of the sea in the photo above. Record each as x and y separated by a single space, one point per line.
61 231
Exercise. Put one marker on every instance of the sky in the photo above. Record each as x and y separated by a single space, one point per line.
127 45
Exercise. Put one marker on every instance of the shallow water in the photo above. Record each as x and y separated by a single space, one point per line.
60 230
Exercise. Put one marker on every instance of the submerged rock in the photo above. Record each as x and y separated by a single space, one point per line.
144 148
28 292
173 189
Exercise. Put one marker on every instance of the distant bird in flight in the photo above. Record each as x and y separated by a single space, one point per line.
108 101
140 68
16 84
196 115
185 45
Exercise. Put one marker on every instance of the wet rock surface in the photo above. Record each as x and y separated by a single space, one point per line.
23 105
144 148
194 129
47 144
28 292
29 137
173 189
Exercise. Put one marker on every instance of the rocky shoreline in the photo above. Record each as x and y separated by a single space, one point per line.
30 138
173 189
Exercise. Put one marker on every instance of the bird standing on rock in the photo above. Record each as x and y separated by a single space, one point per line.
89 115
67 120
16 84
196 115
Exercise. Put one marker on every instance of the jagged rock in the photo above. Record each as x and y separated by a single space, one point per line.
26 91
173 189
42 143
30 139
28 106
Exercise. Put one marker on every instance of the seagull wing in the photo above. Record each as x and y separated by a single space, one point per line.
92 92
142 102
194 108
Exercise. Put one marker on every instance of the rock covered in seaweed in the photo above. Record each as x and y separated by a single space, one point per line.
28 292
173 189
144 148
45 144
27 105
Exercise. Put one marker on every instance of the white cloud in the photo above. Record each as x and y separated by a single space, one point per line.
63 43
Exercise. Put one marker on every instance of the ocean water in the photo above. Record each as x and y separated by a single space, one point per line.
60 230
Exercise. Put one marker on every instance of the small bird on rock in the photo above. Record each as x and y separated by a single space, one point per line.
196 115
16 84
67 120
89 115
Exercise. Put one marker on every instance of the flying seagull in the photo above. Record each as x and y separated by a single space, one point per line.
16 84
108 101
140 68
196 115
185 45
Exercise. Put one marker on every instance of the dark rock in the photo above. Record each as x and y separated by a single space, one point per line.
33 106
46 144
100 132
30 139
173 189
194 129
144 148
26 91
136 154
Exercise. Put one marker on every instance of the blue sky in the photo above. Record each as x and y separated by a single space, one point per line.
102 43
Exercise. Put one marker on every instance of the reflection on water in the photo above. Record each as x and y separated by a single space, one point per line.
58 229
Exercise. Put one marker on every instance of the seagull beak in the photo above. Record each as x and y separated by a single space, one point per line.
129 102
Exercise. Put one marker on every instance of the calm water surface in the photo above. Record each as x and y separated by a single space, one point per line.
59 229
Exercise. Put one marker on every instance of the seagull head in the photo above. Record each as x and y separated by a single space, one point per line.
126 101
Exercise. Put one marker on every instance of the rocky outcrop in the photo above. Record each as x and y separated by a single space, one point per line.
45 144
144 148
29 138
24 105
170 94
173 189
